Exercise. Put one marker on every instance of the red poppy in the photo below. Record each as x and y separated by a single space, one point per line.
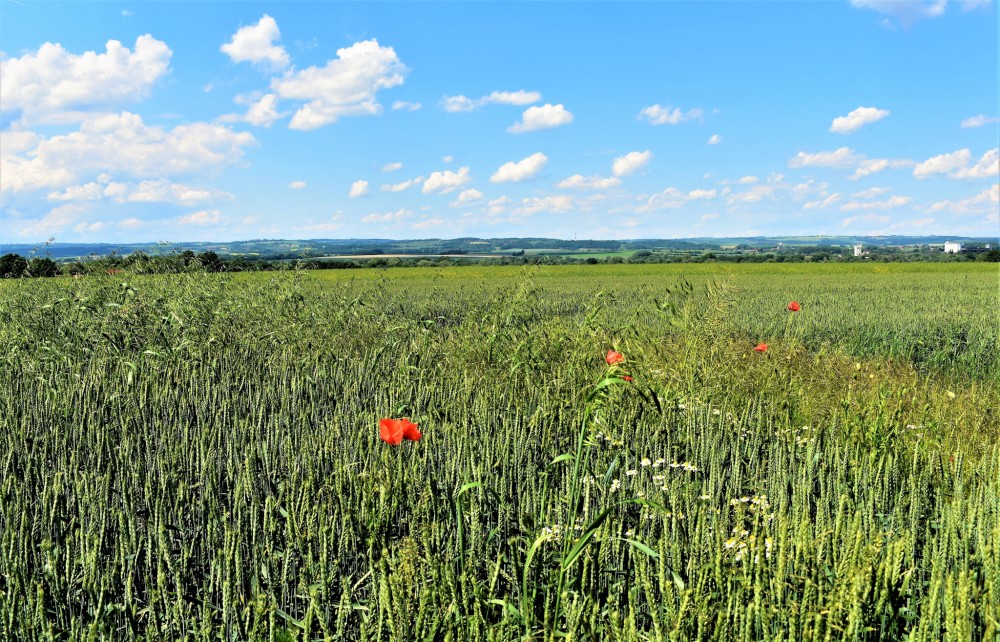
614 357
794 306
393 431
627 378
761 347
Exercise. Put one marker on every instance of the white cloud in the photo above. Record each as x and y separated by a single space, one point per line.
657 115
985 202
987 167
708 217
447 159
875 165
754 195
822 204
256 44
88 228
405 105
391 167
202 217
857 119
748 180
403 186
871 193
122 144
446 181
467 197
581 182
358 189
673 198
631 163
866 218
345 86
545 117
462 103
907 12
842 157
891 203
428 223
522 170
943 164
151 191
388 217
550 204
297 184
53 85
979 121
714 139
261 113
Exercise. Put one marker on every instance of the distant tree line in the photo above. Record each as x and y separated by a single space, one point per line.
139 262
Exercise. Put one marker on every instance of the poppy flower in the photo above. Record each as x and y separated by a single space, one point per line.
794 306
393 431
627 378
761 347
614 357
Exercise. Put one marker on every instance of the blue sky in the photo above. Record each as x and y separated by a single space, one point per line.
184 121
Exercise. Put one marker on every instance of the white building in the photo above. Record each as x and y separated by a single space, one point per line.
951 247
857 249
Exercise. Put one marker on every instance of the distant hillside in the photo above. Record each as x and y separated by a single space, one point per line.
310 248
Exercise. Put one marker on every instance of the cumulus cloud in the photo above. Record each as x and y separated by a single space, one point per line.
522 170
151 191
631 163
943 164
857 119
53 85
581 182
202 217
388 217
255 44
405 105
907 12
544 117
714 139
871 193
842 157
747 180
987 167
549 204
467 197
446 182
261 112
871 166
673 198
297 184
345 86
979 121
985 202
358 189
822 204
657 115
891 203
403 186
460 103
428 223
391 167
121 144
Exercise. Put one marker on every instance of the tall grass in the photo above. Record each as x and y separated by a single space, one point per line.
194 458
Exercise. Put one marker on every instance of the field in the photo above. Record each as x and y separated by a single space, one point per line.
197 456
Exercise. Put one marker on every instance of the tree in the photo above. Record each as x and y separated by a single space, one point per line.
42 267
12 266
210 261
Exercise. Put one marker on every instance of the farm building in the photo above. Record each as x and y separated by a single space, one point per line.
952 247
